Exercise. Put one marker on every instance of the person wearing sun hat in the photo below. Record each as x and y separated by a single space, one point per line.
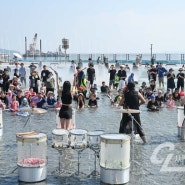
32 67
34 81
171 79
51 100
180 79
122 73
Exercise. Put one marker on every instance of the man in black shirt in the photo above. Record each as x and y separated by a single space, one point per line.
91 75
112 72
122 73
44 73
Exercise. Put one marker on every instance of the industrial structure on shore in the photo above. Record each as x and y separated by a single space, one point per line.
33 52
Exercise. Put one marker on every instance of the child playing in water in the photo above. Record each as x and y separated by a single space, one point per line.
51 99
43 88
92 101
80 101
118 98
14 105
24 103
58 104
9 97
170 102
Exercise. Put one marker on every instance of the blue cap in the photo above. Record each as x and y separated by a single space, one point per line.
152 96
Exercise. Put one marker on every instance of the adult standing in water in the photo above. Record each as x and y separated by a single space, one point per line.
22 73
91 75
122 73
112 72
44 74
180 79
65 113
80 76
171 80
132 100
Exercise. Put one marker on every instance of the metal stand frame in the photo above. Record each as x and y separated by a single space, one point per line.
96 155
79 151
59 170
132 137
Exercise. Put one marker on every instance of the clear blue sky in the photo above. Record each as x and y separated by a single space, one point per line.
95 26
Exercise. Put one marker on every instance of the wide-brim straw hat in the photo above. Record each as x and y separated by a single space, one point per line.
180 69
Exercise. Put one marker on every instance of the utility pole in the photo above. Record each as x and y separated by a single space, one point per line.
151 50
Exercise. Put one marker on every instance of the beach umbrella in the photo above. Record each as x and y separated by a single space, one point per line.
17 55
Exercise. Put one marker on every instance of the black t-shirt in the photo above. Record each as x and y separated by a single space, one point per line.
33 81
92 102
112 74
66 98
153 73
91 72
44 75
122 74
151 104
104 89
131 100
179 78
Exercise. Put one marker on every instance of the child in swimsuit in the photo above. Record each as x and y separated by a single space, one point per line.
14 105
80 101
170 102
58 104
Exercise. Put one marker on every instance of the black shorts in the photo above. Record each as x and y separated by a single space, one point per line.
91 80
65 112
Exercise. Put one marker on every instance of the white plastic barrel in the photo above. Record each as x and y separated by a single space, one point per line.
180 119
32 156
74 117
1 122
114 158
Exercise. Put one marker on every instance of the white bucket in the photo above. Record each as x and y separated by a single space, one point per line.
32 156
114 158
1 122
1 132
180 117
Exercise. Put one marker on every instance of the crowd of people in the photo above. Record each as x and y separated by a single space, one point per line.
40 92
121 90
